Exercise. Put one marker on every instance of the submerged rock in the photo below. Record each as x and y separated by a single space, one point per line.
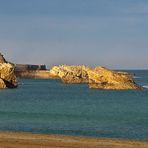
103 78
7 76
71 74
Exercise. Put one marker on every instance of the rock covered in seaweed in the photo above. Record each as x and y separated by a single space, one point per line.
7 76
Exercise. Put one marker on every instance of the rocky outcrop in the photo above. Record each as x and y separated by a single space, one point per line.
7 76
99 78
2 59
103 78
71 74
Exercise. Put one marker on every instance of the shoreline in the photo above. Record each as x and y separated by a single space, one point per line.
30 140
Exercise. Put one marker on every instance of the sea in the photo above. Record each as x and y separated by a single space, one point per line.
52 107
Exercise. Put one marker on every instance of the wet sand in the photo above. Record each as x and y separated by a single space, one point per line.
28 140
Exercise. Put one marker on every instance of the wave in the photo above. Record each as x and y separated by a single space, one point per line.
135 77
145 86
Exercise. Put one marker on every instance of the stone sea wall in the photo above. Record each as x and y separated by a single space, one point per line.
31 71
35 74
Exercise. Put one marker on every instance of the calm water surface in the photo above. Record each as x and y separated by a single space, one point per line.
49 106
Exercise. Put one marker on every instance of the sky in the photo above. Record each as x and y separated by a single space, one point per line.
111 33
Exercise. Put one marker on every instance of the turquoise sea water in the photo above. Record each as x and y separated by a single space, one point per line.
49 106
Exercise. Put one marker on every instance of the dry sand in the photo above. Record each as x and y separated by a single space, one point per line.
27 140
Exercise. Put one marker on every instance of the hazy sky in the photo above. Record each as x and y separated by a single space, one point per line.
112 33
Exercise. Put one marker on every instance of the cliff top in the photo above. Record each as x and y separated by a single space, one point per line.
2 59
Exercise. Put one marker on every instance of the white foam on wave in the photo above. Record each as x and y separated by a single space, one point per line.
135 77
146 86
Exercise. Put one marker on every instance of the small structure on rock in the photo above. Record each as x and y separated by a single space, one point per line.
26 67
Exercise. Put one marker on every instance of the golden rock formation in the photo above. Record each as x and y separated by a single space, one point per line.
7 76
103 78
99 78
71 74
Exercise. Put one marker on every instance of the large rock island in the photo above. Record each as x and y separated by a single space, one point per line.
103 78
98 78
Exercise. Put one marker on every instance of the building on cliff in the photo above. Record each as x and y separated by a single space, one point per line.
25 67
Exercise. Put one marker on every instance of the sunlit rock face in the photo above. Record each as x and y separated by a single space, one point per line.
98 78
103 78
71 74
2 84
7 76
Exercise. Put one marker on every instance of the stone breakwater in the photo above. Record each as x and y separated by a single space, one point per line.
98 78
7 76
35 74
27 67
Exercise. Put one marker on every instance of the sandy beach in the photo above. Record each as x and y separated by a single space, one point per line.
28 140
